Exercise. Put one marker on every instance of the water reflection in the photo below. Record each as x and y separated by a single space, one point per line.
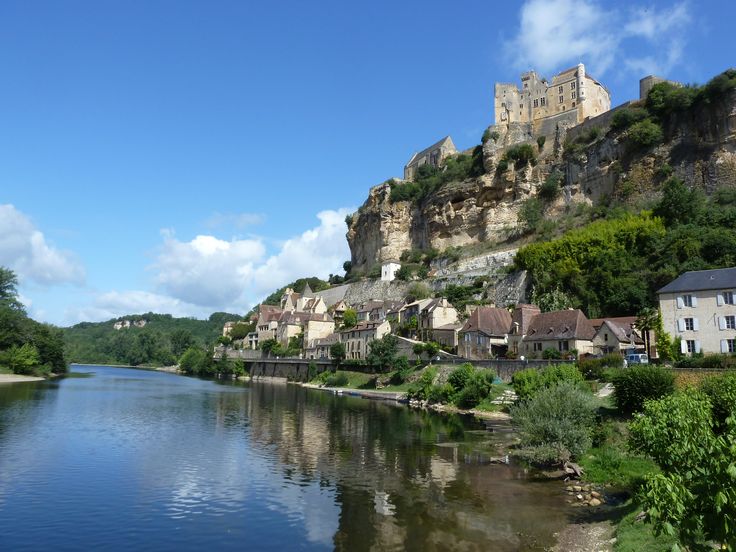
161 461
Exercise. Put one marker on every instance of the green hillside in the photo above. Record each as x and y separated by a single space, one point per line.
160 342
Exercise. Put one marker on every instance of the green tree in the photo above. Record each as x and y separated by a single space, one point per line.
646 321
349 318
24 359
337 353
181 340
531 214
679 204
693 498
382 352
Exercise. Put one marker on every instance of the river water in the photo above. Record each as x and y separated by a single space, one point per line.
124 459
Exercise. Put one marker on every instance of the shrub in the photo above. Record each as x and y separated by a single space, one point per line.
338 379
550 190
540 142
521 155
594 368
551 354
721 390
476 388
403 370
421 388
624 118
460 376
644 134
531 214
556 424
440 393
638 384
502 166
530 381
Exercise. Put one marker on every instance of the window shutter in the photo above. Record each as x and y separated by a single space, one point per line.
697 346
719 299
694 301
683 347
724 345
680 324
680 302
721 322
696 325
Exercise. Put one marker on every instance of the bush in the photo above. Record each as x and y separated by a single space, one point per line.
460 376
550 190
638 384
624 118
541 141
421 388
595 368
721 390
556 424
476 389
716 361
644 134
551 354
440 393
531 381
531 214
403 370
521 155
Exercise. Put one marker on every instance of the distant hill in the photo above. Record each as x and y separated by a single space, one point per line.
160 341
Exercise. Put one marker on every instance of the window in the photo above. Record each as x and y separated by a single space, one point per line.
730 346
563 345
730 322
561 99
536 103
467 337
572 85
543 101
690 345
573 95
727 297
573 104
559 90
537 346
480 339
687 300
605 337
689 326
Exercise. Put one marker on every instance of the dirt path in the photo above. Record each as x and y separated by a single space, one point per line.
596 536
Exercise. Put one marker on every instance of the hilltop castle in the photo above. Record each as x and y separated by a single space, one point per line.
572 92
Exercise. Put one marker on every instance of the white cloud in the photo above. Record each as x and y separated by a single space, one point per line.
206 271
556 33
24 249
233 275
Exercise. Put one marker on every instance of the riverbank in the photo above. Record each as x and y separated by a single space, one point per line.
17 378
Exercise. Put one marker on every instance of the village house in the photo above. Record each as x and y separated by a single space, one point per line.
412 310
434 155
388 271
337 311
484 334
699 308
308 324
563 331
320 347
357 339
572 91
521 319
268 322
617 335
434 315
376 310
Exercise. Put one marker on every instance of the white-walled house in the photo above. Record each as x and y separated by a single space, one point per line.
699 308
388 271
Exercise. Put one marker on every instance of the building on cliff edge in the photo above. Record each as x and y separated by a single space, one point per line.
572 92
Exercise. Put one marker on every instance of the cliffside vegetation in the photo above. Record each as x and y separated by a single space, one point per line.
614 266
26 346
160 342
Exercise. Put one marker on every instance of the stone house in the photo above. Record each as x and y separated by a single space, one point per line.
435 314
376 310
337 311
388 271
564 331
268 322
447 335
309 324
433 155
617 335
320 347
521 319
411 310
485 333
571 91
699 308
357 339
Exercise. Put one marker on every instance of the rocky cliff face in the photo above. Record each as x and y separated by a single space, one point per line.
699 146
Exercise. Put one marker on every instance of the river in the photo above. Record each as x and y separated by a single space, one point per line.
124 459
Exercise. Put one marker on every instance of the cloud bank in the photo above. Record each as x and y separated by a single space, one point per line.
24 249
554 34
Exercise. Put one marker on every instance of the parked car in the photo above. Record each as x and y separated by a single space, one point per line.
637 358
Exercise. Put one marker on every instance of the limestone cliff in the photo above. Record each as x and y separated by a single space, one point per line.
699 146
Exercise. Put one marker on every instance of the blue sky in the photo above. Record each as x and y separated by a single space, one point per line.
188 157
